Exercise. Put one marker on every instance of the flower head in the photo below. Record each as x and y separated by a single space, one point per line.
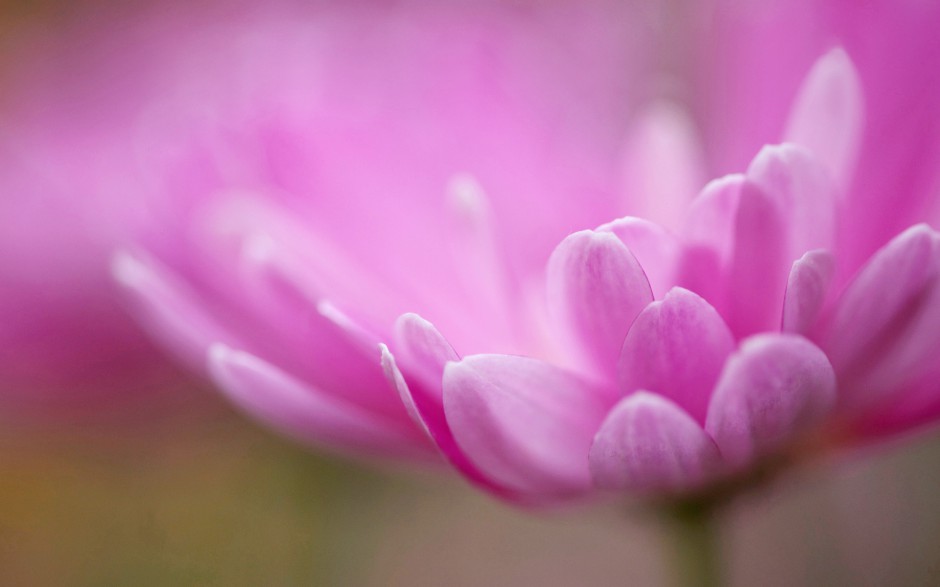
374 257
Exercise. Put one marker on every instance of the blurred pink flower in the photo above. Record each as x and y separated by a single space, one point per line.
405 184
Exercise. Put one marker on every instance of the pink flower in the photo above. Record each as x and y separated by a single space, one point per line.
367 249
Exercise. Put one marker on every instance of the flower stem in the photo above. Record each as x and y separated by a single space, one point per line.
696 552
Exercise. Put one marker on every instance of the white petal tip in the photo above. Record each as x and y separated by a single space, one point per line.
127 269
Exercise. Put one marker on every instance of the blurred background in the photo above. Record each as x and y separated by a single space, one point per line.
179 489
214 500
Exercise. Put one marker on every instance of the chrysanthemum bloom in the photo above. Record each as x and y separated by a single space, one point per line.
373 258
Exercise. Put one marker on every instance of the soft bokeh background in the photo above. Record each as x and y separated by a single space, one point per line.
191 493
213 500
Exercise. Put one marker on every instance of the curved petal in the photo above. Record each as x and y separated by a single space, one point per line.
676 348
655 249
802 190
596 288
708 240
307 413
772 389
886 327
648 443
430 416
424 350
524 423
786 208
807 288
828 115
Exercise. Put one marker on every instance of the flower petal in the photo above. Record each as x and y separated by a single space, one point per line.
167 308
772 389
828 115
307 413
648 443
524 423
655 249
758 270
430 416
886 326
664 165
424 350
676 348
806 291
596 288
802 190
786 208
708 240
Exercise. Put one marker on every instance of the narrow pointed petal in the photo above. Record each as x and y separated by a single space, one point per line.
476 250
596 288
322 342
655 249
307 413
806 292
773 388
524 423
167 308
648 443
277 247
828 115
396 379
663 165
676 348
885 327
424 350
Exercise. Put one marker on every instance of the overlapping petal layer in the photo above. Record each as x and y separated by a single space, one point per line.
372 230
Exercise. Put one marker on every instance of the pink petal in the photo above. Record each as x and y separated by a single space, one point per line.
803 191
430 416
758 271
773 388
317 340
786 208
664 165
708 240
396 379
524 423
806 292
596 288
308 413
676 348
278 247
655 249
167 308
648 443
424 350
481 270
886 328
711 218
828 115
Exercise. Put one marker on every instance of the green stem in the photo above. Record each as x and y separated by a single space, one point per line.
695 546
